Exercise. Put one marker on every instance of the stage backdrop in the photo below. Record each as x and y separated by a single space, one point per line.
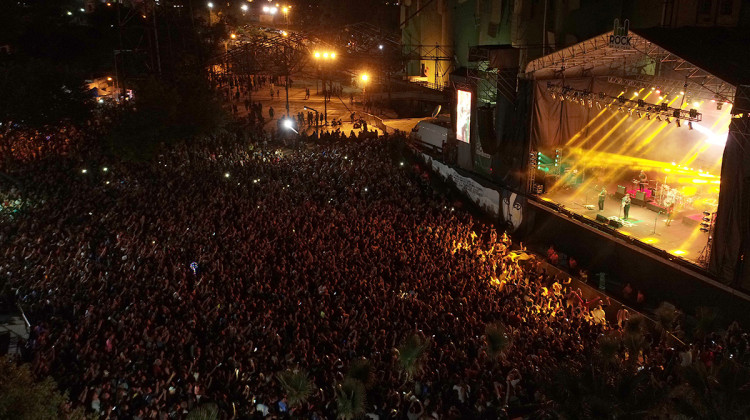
732 232
608 130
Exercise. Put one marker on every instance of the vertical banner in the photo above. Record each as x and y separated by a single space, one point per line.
512 207
463 116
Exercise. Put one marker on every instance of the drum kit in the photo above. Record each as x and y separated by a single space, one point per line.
668 196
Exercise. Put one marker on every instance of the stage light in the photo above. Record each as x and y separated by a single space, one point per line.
648 116
638 113
718 106
677 121
668 120
682 92
696 104
635 93
690 125
658 117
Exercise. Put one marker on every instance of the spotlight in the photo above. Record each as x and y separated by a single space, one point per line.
706 213
658 118
718 106
677 122
598 105
690 125
668 120
648 116
638 113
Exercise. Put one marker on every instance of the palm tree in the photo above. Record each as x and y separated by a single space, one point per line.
297 386
666 317
707 321
720 392
350 399
361 370
411 354
498 340
609 346
204 412
634 325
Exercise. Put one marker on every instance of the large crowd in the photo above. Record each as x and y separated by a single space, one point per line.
153 288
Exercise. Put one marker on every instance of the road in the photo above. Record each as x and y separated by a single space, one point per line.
338 108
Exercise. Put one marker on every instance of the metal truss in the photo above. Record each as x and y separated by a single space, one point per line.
587 98
643 60
278 54
364 37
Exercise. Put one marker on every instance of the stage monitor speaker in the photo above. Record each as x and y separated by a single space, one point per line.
615 224
654 207
620 189
601 219
640 198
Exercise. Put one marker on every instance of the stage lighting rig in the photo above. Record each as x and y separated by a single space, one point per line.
586 98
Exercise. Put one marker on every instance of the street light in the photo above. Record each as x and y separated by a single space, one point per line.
324 57
365 77
288 123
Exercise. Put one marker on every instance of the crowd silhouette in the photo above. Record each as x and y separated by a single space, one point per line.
198 277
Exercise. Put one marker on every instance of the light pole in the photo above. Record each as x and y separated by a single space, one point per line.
364 77
285 10
324 58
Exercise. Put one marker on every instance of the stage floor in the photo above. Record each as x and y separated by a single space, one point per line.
681 238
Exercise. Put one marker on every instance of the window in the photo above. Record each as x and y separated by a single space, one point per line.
704 7
726 7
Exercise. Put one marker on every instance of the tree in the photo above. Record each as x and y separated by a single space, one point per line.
411 354
22 398
707 321
350 399
38 91
297 386
666 319
204 412
361 370
166 112
498 340
719 392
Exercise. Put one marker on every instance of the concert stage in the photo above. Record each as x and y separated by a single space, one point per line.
681 238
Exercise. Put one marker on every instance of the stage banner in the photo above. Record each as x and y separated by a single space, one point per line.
513 207
485 198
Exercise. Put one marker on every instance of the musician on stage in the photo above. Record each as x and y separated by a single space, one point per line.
602 197
626 206
642 181
669 203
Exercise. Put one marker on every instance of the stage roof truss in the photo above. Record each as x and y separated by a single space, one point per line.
585 57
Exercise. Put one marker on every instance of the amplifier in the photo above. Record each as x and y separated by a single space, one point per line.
615 223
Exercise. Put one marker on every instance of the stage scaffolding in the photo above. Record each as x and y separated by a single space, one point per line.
644 62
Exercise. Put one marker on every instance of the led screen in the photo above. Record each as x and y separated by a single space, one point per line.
463 116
